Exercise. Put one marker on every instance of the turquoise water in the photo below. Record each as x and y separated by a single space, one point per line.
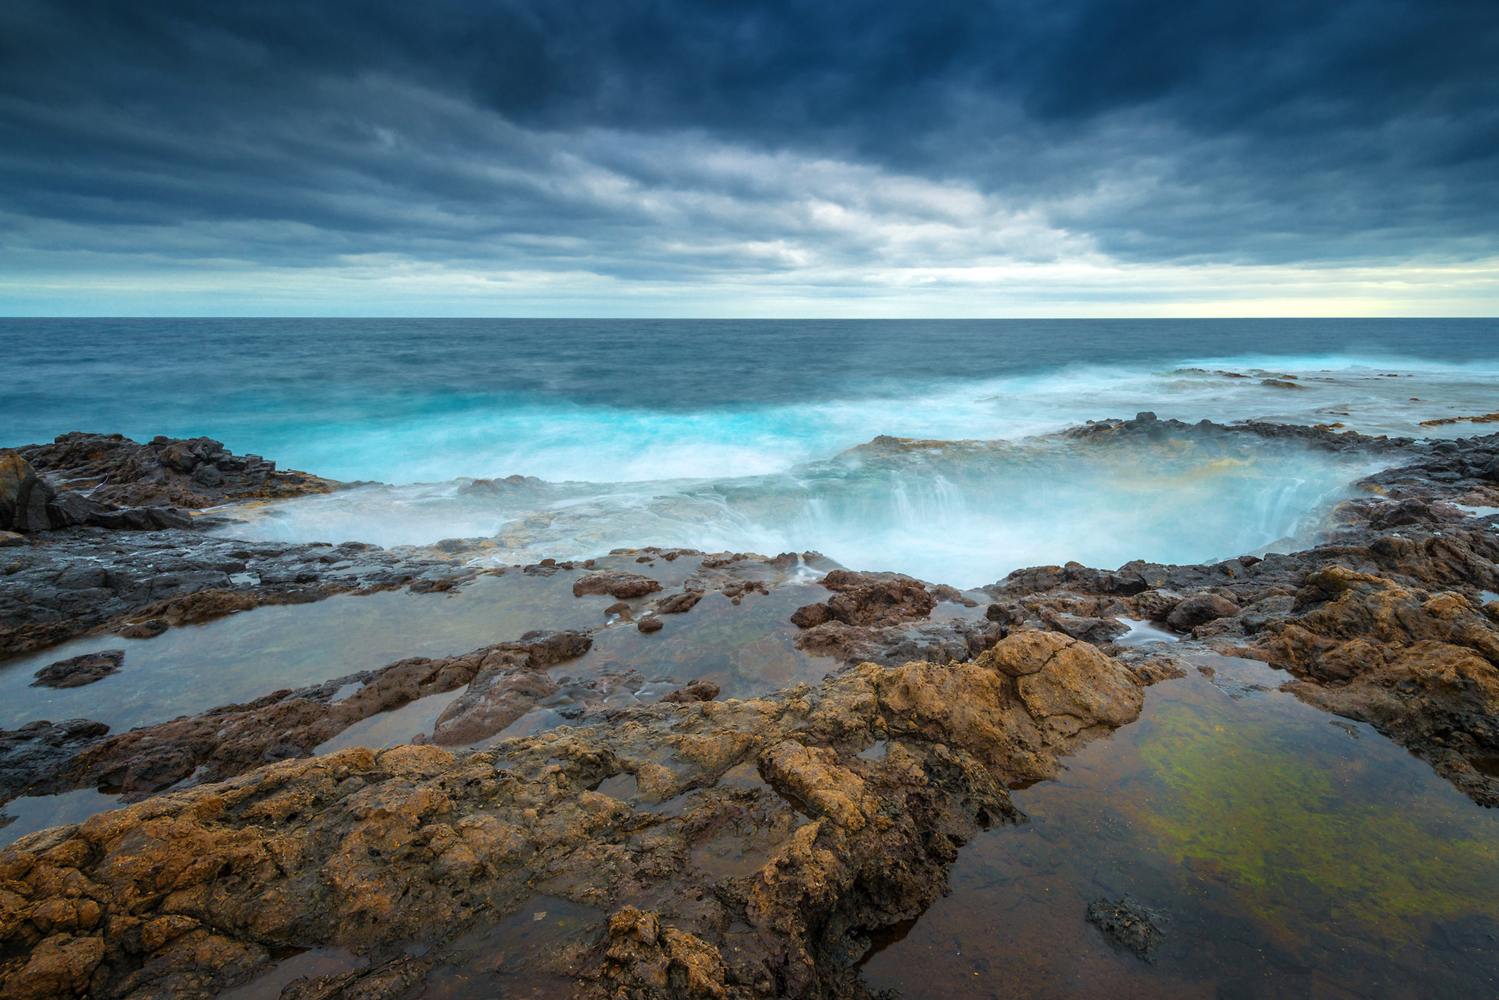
737 435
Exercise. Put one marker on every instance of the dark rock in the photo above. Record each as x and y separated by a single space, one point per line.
695 691
208 475
1199 610
1129 925
615 583
79 670
811 615
193 473
23 496
650 624
1098 631
36 758
679 603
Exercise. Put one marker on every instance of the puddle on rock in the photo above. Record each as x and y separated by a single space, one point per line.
311 963
235 659
28 814
1292 860
1143 633
519 956
746 649
394 728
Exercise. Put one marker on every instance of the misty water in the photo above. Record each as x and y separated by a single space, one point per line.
1296 857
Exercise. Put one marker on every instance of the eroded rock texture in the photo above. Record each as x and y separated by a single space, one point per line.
753 848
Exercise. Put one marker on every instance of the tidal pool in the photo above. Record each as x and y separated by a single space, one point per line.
1297 854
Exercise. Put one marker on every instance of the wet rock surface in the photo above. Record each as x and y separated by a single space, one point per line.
1129 925
705 883
731 848
1389 621
77 671
173 472
504 681
84 579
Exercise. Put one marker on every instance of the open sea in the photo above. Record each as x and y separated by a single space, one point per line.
737 434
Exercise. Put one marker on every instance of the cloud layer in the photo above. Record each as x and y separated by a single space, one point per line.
832 148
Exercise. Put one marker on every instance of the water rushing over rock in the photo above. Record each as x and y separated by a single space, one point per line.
753 797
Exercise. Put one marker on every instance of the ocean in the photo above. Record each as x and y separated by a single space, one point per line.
755 435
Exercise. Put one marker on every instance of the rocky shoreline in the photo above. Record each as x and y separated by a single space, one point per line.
726 848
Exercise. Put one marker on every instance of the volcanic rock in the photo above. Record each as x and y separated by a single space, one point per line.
77 671
616 584
1199 610
187 893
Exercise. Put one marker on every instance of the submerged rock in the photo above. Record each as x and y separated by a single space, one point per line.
1129 925
77 671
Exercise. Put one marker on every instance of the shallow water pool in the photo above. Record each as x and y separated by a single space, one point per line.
1296 854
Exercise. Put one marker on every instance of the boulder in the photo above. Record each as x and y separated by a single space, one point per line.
24 496
1199 610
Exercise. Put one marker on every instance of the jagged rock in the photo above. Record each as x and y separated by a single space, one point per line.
233 739
370 851
1098 631
23 496
165 472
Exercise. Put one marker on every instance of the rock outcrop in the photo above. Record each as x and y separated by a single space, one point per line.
176 472
756 847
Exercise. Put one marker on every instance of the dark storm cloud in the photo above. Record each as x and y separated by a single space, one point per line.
1247 130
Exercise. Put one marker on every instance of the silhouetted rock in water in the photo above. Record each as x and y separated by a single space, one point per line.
77 671
188 893
1129 925
176 472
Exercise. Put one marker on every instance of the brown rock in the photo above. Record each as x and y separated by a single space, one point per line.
696 691
650 624
23 496
679 603
811 615
1199 610
615 583
60 966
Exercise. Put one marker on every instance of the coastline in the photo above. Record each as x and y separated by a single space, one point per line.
1389 620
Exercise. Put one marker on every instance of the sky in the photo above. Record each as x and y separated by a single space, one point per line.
744 158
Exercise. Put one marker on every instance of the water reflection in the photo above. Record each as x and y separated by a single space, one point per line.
1295 860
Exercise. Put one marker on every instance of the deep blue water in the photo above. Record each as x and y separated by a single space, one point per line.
660 403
